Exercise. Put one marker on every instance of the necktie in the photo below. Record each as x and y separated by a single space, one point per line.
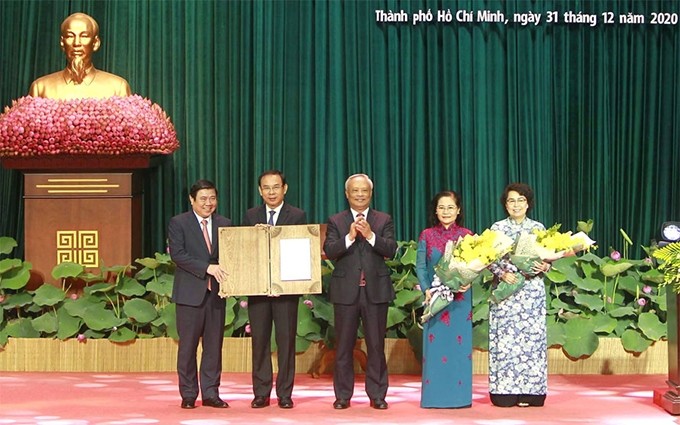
206 236
208 244
271 217
362 277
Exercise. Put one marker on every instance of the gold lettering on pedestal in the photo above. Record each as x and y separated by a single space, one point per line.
78 246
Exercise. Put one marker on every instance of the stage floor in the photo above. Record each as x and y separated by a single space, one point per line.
152 398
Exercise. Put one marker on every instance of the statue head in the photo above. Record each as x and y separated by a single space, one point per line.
79 39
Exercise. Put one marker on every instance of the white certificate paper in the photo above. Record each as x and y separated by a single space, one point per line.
296 262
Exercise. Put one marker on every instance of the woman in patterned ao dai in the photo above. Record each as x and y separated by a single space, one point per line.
447 337
518 366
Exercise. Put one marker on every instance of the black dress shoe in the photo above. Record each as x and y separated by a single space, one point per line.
215 402
259 402
340 404
379 403
286 403
188 403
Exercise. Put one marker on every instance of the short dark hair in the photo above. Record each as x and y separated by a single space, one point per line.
432 216
272 173
521 188
200 185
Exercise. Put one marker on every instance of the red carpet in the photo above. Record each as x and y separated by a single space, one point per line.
152 398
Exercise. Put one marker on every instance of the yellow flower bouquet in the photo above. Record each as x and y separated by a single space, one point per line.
462 262
536 247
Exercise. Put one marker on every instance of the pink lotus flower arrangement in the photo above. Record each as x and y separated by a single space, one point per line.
35 126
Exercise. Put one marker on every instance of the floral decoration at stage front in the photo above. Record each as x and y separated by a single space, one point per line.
35 126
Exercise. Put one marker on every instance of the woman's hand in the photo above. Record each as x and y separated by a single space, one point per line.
509 278
428 295
540 267
464 288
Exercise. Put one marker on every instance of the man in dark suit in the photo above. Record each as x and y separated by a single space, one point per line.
282 310
200 311
359 240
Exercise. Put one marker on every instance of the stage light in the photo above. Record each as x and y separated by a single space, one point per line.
670 232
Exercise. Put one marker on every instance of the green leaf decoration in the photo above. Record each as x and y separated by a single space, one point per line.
556 335
306 323
19 300
611 268
653 276
323 309
302 344
603 323
21 328
17 277
626 237
409 257
140 310
169 316
122 335
584 226
556 276
68 325
129 287
230 315
580 338
395 316
99 288
7 244
48 295
622 311
47 323
480 336
592 302
150 263
162 286
407 297
633 341
480 312
66 269
651 326
8 264
589 285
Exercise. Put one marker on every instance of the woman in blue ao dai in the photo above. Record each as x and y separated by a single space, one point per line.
518 366
447 337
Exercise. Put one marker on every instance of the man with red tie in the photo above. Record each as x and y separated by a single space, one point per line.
358 240
200 311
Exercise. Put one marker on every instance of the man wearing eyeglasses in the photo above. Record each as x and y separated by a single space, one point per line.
279 310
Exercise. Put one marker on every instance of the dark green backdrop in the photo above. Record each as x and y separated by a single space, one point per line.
588 115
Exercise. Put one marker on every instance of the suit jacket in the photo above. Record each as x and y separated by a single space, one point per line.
287 216
344 285
190 254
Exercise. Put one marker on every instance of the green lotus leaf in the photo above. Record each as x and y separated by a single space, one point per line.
415 339
630 284
48 295
169 315
306 323
122 334
653 275
610 268
589 284
68 325
17 277
130 287
633 341
622 311
556 336
7 244
592 302
589 268
407 297
409 256
8 264
480 312
591 258
147 262
21 328
580 338
161 286
480 335
323 309
395 316
18 300
66 269
556 276
46 323
302 344
99 288
140 310
651 326
603 323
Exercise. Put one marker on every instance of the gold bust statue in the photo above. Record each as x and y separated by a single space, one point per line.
79 39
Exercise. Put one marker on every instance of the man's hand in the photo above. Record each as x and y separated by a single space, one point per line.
362 226
215 271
